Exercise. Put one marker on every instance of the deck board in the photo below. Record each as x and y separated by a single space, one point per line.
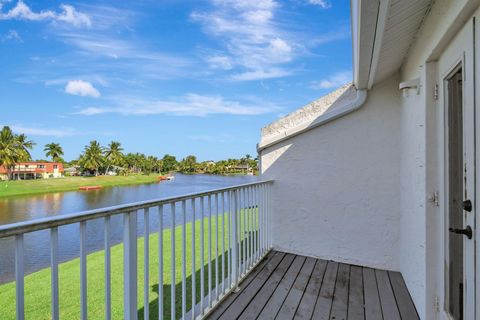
286 286
307 304
325 298
277 299
289 307
373 309
258 302
402 296
340 297
387 299
242 298
356 309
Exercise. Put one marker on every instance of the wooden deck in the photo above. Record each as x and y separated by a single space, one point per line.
288 286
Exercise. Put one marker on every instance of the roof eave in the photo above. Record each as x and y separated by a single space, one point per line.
368 21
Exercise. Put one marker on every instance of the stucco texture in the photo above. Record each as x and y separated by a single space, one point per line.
336 190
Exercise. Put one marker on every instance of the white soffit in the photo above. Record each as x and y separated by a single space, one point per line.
398 24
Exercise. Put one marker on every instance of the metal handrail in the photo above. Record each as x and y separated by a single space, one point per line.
17 228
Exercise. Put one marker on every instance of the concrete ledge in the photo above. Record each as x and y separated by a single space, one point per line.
328 108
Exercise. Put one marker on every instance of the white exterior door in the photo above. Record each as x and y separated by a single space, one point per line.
456 80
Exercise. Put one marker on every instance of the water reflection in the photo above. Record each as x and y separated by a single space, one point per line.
37 244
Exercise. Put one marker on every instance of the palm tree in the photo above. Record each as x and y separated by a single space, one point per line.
113 154
24 145
189 164
54 150
92 158
13 148
8 150
247 160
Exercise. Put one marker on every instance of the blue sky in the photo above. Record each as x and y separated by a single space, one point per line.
171 76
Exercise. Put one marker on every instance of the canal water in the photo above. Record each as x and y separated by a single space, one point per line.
37 244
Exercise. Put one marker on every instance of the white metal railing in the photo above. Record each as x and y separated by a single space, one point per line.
234 220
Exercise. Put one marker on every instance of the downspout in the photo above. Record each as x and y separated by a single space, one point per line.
342 111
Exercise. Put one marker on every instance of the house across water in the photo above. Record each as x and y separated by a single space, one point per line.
33 170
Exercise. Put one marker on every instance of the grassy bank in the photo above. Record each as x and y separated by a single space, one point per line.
38 291
28 187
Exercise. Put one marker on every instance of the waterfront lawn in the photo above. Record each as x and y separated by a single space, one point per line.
38 290
27 187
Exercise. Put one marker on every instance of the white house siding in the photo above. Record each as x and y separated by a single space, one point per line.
336 192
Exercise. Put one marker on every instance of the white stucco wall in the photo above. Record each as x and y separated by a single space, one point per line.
411 244
421 248
356 189
336 191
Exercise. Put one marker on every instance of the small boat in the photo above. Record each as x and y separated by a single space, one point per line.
87 188
164 178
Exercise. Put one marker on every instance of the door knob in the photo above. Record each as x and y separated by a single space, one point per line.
467 231
467 205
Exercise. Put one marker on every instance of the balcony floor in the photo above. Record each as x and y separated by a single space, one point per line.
288 286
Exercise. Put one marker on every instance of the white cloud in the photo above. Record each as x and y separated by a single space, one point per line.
260 74
11 35
62 132
81 88
72 16
55 132
188 105
220 62
69 14
336 80
252 39
325 4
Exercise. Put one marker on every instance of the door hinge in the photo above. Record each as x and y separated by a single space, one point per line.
433 198
435 92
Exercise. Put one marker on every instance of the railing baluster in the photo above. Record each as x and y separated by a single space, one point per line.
252 226
146 262
194 283
255 224
19 277
263 220
216 244
108 290
209 251
184 262
265 197
229 237
239 233
160 262
223 242
83 270
248 229
202 253
172 288
234 239
262 215
269 216
54 271
130 265
243 238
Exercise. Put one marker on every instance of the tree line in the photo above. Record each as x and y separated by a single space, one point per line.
97 159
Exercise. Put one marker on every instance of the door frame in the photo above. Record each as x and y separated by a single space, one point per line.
460 53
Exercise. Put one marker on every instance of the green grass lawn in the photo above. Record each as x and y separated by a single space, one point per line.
27 187
38 290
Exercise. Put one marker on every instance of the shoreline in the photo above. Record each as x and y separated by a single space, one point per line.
17 188
20 188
